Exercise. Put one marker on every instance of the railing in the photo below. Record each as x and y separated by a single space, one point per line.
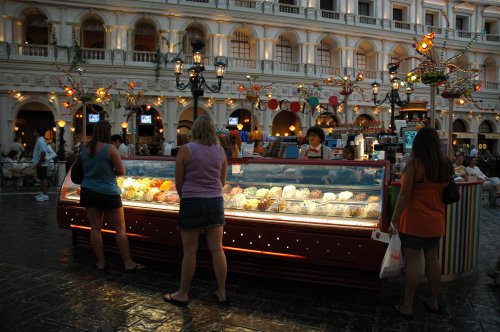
93 54
242 63
491 85
328 71
367 20
371 74
202 1
330 15
464 34
290 9
436 30
492 38
143 56
34 50
402 25
290 67
245 3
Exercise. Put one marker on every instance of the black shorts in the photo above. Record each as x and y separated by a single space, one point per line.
417 242
199 212
92 199
41 172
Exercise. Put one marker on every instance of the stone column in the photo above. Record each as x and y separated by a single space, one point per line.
170 109
6 122
18 31
220 113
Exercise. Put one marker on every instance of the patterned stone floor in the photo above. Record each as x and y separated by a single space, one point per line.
47 285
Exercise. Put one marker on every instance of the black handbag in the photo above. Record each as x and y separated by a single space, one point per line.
451 193
77 170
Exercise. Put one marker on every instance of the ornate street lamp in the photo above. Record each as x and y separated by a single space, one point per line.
61 155
392 96
197 82
124 125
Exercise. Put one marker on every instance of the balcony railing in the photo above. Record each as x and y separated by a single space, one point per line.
289 67
143 56
289 9
402 25
367 20
491 85
92 54
330 15
371 74
436 30
245 3
34 50
464 34
242 63
492 38
326 71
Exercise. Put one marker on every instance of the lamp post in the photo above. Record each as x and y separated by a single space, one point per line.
124 125
61 155
392 96
197 82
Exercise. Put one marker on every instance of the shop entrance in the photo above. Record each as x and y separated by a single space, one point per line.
30 116
284 122
94 114
149 131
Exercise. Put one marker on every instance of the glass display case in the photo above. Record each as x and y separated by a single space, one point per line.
318 212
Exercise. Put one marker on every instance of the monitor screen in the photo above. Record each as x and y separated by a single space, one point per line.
94 118
232 121
146 119
408 137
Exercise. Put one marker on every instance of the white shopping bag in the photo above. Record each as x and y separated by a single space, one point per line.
392 264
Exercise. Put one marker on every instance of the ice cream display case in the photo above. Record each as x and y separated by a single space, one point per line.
304 220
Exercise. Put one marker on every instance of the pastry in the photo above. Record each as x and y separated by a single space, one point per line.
250 191
239 200
251 204
261 193
159 197
302 193
329 197
165 186
235 191
360 197
289 192
275 192
345 196
316 194
264 204
373 199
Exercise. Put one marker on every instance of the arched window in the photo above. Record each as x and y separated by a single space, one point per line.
459 126
145 37
324 54
283 50
36 30
485 127
93 34
240 45
360 60
193 34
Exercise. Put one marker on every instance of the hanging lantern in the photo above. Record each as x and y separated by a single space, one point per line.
131 85
101 92
69 91
66 104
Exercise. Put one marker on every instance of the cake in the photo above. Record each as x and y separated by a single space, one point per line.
329 197
275 192
289 192
264 204
251 204
302 193
345 196
235 191
261 193
250 191
316 194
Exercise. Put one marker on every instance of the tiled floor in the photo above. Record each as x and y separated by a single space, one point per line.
47 285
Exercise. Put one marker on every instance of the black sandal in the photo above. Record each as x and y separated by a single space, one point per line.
137 268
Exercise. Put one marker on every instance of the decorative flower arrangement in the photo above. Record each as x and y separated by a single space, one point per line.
252 90
347 84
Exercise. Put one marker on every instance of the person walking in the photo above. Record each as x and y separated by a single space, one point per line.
419 215
41 163
100 194
200 175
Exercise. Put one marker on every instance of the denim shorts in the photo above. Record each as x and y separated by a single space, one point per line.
92 199
201 212
417 242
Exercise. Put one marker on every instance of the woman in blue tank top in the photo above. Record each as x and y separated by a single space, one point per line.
200 174
100 194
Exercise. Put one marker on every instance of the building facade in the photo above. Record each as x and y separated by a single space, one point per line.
284 43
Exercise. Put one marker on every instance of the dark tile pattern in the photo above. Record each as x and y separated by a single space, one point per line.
48 285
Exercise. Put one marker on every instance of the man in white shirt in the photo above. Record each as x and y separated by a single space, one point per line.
39 153
17 146
473 151
117 141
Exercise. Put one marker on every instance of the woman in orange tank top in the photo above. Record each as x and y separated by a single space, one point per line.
419 215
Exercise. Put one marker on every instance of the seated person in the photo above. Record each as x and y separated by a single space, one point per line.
490 183
460 173
316 149
117 141
348 152
258 149
12 169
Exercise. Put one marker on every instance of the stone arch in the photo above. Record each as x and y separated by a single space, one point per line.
146 19
331 43
490 123
93 38
460 125
149 34
252 39
282 120
363 118
400 52
247 28
290 33
365 59
27 109
287 41
25 10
